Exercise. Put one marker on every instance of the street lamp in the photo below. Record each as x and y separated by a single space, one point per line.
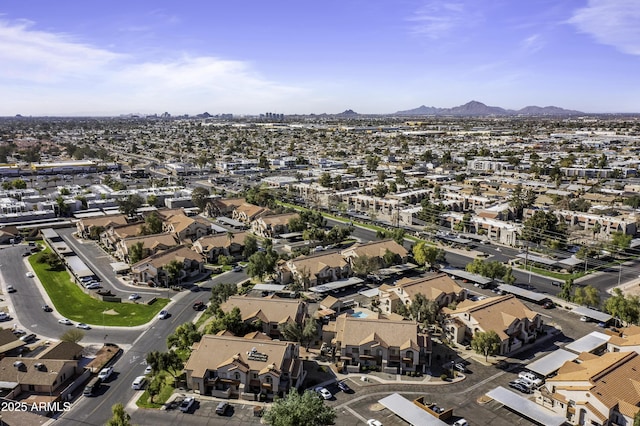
452 370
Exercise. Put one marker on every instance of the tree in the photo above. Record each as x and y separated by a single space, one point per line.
120 416
220 293
184 337
508 277
262 263
51 259
73 336
623 308
200 197
296 409
325 180
372 162
136 251
364 265
250 246
424 254
423 310
486 343
620 241
588 295
155 386
309 331
173 270
152 224
521 199
130 205
165 361
296 224
636 419
544 227
566 290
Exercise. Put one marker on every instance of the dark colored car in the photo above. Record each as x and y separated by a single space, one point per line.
344 387
199 306
47 308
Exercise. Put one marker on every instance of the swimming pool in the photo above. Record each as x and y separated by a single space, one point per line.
359 315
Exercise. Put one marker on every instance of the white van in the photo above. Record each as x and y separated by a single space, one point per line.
139 383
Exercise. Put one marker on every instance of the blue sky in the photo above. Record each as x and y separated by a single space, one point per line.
373 56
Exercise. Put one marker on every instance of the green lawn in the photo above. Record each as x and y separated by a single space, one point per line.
71 301
161 398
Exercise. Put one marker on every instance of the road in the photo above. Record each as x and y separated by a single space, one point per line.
97 410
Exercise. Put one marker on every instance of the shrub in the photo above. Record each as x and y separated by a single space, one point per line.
443 376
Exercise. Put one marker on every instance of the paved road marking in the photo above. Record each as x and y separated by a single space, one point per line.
352 411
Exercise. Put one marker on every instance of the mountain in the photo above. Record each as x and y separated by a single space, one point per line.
475 108
348 113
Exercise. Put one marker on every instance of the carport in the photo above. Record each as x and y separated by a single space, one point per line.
592 342
523 293
526 408
464 275
336 285
549 364
592 314
409 412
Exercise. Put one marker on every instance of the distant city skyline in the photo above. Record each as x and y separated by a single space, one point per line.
371 56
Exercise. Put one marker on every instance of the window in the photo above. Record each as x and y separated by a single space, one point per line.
237 376
355 350
268 379
409 354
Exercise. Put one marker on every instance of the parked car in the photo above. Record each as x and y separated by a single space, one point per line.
374 422
134 296
148 370
187 403
28 337
93 286
461 422
138 383
83 326
548 305
323 392
64 321
344 387
4 316
460 367
237 268
105 373
222 408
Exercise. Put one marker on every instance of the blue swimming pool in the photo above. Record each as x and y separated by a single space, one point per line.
359 315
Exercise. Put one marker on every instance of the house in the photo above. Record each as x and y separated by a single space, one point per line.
212 246
113 234
272 313
225 207
92 227
438 287
151 244
514 323
377 250
185 228
228 366
9 343
393 346
625 340
152 270
314 269
247 213
62 350
21 374
272 225
595 390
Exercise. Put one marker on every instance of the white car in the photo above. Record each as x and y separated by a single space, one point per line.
139 383
374 422
134 296
461 422
105 373
163 314
148 370
65 321
83 326
324 393
93 286
30 274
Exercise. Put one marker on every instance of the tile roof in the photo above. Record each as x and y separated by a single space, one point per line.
358 331
431 286
267 310
375 249
213 352
494 313
317 262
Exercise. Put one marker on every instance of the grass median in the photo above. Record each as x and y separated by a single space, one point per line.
72 302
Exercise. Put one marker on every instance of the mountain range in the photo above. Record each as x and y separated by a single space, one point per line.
475 108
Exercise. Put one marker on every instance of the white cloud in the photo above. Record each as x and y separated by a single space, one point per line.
532 43
48 73
437 19
611 22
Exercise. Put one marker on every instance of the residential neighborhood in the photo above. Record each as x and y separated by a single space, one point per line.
411 254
